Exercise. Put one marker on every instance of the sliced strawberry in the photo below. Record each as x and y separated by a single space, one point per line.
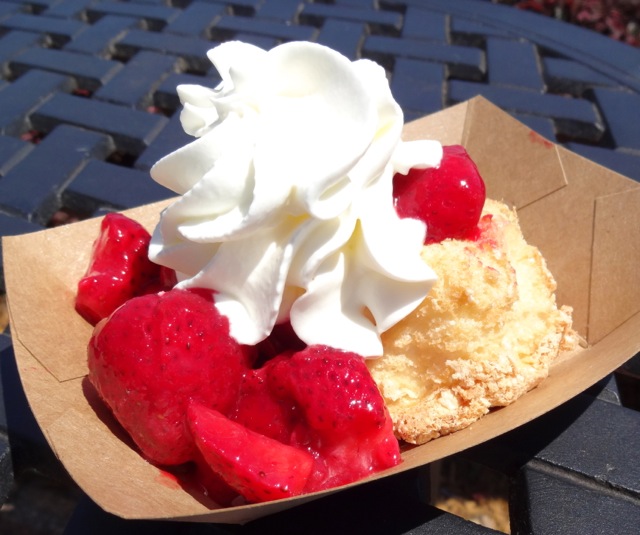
119 269
209 482
323 401
343 418
154 354
448 198
263 410
258 467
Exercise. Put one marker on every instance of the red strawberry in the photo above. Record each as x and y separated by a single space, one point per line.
119 269
448 198
205 480
323 401
256 466
343 416
157 352
268 412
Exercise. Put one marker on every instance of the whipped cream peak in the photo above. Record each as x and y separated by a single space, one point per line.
286 206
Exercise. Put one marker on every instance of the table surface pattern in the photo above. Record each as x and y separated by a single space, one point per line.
88 104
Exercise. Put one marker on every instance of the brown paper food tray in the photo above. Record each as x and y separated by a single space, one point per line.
584 218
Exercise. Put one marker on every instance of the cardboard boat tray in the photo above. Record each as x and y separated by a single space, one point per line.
584 218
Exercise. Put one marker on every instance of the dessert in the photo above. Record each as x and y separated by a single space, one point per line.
307 321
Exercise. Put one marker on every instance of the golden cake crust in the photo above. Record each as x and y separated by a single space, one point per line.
486 333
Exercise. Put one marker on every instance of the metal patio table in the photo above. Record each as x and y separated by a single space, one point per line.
88 104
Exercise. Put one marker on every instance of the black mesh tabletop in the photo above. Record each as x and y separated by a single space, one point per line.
88 103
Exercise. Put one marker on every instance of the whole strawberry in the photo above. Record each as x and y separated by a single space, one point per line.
156 353
448 198
119 269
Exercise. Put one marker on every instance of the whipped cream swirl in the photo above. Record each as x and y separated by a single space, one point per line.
286 207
